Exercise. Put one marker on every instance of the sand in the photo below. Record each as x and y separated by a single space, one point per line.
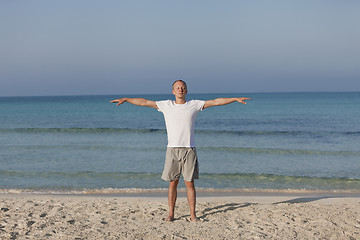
34 216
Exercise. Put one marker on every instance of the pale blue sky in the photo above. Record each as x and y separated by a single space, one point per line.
137 47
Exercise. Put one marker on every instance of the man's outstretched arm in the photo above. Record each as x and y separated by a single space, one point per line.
224 101
136 101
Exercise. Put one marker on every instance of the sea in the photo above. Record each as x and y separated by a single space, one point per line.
277 141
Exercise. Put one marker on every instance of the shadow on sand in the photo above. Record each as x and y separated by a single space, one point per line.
222 209
307 199
219 209
233 206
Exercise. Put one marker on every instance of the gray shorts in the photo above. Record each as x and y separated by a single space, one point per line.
181 160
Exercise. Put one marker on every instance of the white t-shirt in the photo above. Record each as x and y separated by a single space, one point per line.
180 121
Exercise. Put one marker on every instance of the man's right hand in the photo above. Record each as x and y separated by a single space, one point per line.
119 101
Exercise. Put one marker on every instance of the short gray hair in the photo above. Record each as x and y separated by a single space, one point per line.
179 81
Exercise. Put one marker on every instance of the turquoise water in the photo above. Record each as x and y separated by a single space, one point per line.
276 141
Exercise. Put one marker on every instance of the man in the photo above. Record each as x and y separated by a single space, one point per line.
181 157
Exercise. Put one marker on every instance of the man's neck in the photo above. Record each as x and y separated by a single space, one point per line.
180 100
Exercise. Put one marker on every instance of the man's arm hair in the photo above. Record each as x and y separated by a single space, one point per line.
136 101
224 101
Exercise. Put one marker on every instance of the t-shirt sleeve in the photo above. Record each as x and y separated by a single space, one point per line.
161 105
200 104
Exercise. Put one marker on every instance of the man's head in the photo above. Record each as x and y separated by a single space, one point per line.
179 88
179 81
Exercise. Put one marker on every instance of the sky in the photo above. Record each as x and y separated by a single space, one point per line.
87 47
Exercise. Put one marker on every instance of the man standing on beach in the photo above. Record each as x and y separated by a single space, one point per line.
181 157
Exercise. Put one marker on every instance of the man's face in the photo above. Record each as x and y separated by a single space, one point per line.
179 89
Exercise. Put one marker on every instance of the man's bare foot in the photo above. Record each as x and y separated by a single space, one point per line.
195 219
169 219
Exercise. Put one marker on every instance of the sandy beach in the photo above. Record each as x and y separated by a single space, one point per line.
250 216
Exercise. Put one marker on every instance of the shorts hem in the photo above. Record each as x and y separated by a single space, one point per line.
170 180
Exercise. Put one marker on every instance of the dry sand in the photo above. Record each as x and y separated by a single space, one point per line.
31 216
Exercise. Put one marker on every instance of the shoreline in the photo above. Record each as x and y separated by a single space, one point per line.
253 196
162 192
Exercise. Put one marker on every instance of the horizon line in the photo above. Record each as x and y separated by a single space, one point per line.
169 93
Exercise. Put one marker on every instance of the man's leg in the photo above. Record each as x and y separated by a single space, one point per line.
191 196
172 195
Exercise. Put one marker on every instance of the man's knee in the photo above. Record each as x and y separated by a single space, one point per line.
173 184
190 185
